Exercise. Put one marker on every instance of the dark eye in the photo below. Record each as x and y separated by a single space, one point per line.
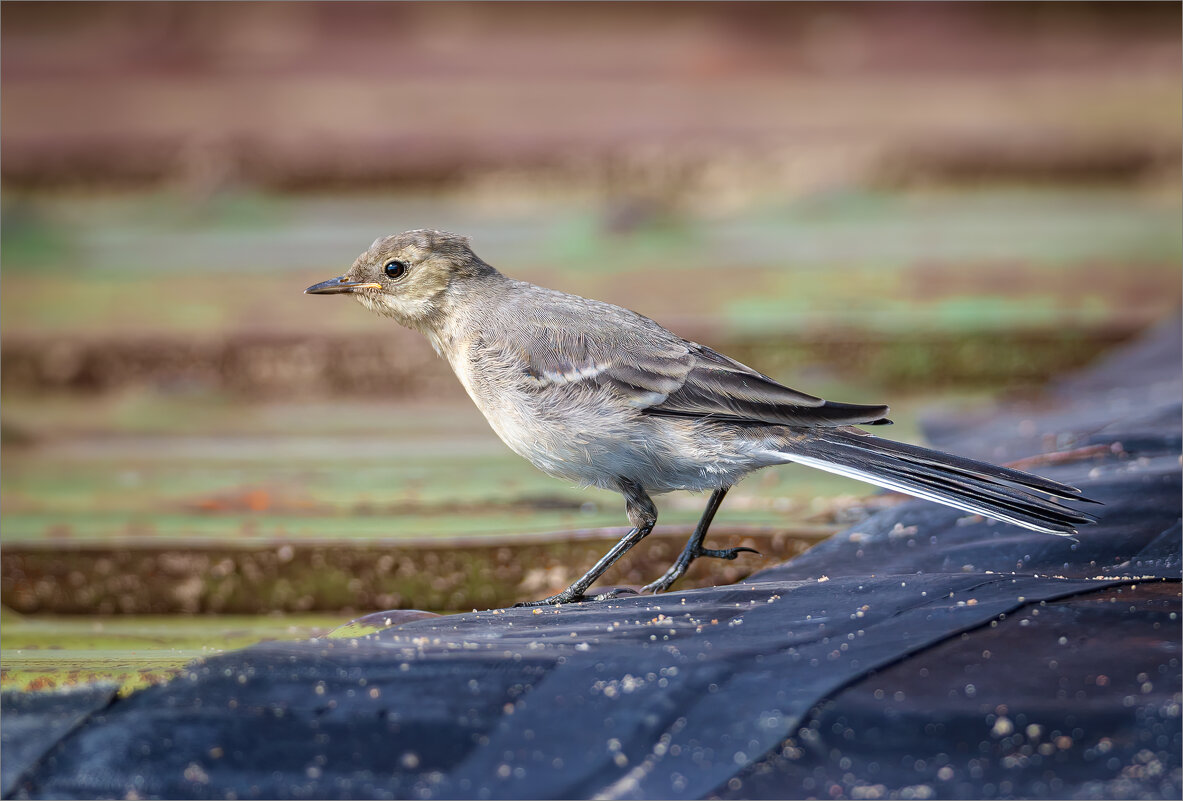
395 269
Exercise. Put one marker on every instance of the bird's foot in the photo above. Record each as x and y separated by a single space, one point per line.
665 582
679 568
564 597
567 596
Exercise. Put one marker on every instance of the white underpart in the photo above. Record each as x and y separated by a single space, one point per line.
887 483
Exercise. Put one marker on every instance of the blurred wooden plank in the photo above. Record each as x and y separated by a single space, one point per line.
331 575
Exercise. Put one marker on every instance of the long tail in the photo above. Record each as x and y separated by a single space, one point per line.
971 486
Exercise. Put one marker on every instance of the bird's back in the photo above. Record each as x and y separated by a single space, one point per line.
590 391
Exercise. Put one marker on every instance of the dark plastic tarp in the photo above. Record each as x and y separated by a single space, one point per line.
920 654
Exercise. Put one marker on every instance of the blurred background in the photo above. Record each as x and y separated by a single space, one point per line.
938 206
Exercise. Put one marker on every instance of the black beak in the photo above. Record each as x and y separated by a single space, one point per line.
336 286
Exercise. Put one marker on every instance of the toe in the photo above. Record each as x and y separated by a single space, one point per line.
729 553
554 600
615 592
661 585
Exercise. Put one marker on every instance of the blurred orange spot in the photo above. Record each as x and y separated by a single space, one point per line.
255 500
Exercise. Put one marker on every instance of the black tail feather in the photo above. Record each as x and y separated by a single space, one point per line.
966 484
958 464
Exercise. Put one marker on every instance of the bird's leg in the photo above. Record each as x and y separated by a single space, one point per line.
694 548
642 514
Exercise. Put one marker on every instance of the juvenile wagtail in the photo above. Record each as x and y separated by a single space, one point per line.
602 396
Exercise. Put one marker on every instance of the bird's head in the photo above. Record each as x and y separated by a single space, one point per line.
408 276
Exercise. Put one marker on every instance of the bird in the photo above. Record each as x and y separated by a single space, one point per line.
602 396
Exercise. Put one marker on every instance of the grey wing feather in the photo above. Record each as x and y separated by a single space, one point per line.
722 388
660 373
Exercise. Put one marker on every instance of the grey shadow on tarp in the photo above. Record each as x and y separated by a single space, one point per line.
920 654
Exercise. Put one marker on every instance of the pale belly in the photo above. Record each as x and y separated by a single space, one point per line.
589 439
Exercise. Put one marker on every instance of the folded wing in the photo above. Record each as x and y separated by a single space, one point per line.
661 374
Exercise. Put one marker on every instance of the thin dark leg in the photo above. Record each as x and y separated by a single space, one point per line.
642 514
576 590
694 548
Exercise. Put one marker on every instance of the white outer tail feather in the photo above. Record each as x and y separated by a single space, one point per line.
887 483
